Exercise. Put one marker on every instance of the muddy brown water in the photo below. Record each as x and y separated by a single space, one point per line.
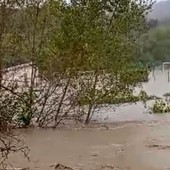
130 146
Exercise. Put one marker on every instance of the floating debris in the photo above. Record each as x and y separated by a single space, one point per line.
61 167
157 146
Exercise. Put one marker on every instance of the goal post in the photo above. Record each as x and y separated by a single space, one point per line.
165 65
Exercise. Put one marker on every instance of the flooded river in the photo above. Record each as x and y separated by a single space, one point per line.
130 146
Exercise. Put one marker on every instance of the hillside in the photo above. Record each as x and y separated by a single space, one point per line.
161 10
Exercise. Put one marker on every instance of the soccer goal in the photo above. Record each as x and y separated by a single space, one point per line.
165 66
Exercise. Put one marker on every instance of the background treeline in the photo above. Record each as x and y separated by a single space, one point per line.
155 44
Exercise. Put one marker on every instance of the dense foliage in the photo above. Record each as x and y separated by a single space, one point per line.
82 49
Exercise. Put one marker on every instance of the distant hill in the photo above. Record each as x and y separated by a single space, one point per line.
161 10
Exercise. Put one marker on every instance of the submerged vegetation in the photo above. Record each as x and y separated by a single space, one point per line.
161 107
141 73
121 98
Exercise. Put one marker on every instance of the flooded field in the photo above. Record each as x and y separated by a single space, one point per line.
129 146
158 85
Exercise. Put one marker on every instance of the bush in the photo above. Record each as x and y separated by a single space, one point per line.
120 98
25 108
10 143
161 107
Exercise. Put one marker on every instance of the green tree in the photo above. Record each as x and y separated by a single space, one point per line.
95 36
83 49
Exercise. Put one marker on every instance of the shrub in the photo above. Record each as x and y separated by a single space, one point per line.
161 107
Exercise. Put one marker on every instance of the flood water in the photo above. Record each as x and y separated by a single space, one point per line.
125 147
158 85
130 146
